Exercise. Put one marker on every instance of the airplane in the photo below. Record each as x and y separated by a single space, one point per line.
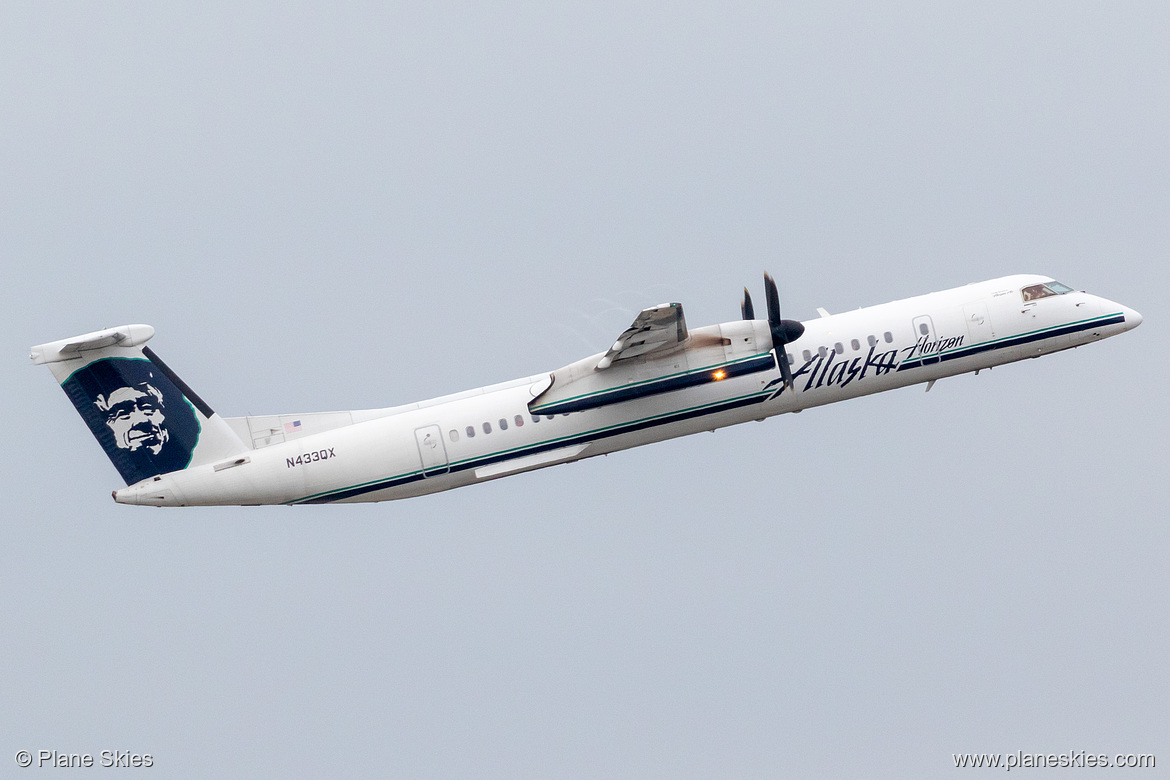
658 380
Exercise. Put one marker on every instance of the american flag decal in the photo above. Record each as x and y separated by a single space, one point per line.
292 427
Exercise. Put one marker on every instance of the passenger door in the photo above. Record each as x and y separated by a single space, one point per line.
432 451
924 328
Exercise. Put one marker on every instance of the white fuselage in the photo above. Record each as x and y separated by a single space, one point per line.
496 431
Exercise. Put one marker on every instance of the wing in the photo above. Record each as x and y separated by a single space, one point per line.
660 329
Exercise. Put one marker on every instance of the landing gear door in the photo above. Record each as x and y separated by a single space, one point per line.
432 451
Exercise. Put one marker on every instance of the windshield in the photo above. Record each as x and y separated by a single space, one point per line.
1035 292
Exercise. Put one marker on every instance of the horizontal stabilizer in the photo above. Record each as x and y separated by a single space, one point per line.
266 430
71 349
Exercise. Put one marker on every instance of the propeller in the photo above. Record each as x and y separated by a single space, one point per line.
783 331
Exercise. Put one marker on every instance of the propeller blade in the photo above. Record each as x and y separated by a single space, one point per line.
749 311
785 369
783 331
773 299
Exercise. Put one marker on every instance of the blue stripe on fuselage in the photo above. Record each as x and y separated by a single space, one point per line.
582 438
1013 341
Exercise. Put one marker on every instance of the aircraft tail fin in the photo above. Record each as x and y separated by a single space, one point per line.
147 419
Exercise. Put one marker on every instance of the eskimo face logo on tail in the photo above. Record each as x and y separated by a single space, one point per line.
140 418
135 415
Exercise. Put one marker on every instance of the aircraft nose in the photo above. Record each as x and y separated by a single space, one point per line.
1133 318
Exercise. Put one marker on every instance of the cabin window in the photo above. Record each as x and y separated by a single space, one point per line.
536 418
855 344
470 431
807 356
487 427
923 329
503 424
454 435
872 340
822 351
518 420
549 416
840 348
889 337
791 359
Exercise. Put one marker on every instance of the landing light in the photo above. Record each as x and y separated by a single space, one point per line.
720 374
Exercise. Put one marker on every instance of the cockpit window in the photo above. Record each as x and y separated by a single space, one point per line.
1037 291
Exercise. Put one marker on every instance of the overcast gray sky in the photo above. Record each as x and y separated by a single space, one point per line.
354 205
